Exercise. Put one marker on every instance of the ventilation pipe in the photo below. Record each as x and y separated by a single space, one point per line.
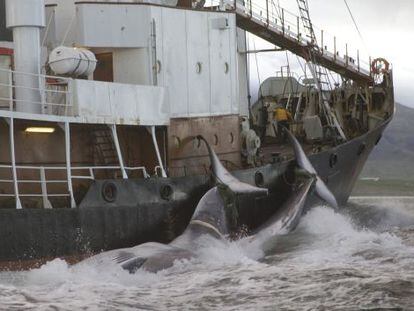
26 18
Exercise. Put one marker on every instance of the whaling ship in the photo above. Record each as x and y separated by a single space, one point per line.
103 103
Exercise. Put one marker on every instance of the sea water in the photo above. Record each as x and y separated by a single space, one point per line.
361 258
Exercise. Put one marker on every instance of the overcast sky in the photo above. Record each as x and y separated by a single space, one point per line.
387 27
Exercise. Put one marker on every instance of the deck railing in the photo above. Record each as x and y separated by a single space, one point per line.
269 16
290 25
54 93
43 181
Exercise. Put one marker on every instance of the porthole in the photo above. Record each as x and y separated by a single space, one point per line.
378 139
166 192
259 179
199 67
215 139
158 66
197 143
333 160
361 148
177 142
231 138
226 67
109 191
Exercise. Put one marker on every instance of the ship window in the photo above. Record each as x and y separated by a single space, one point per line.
231 138
198 67
378 139
226 67
215 140
361 148
197 143
177 142
158 66
166 192
109 192
259 179
333 160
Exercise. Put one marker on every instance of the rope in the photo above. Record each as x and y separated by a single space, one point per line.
47 29
68 29
257 65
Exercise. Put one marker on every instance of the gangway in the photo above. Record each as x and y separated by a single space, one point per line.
291 35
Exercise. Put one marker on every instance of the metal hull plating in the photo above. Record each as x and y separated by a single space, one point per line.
158 209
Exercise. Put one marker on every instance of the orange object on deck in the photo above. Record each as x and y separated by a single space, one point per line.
281 114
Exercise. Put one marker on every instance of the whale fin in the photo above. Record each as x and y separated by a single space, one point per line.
303 162
123 256
133 264
223 176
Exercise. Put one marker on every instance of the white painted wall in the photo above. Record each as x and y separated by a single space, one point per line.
65 21
131 66
185 39
242 73
108 25
107 102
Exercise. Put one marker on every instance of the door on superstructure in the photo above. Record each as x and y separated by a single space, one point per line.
104 69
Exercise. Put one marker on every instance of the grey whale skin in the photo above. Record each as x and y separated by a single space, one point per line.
210 219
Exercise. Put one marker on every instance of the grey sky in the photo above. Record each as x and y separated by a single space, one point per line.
387 27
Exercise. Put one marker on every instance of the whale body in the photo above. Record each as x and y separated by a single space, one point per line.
210 218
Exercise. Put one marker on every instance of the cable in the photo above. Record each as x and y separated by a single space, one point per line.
257 63
68 29
356 26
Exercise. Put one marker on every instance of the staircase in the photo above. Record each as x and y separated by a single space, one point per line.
104 147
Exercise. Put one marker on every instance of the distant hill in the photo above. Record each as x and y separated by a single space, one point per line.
393 158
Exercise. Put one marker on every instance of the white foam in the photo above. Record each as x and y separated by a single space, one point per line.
331 261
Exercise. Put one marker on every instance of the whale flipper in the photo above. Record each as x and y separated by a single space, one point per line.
223 176
303 162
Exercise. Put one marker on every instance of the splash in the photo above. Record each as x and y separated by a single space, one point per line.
332 261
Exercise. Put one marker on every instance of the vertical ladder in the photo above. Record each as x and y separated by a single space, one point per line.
306 21
319 73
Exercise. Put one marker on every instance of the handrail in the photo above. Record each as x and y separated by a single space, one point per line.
43 181
291 26
55 93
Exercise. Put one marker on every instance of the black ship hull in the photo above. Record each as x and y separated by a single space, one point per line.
123 213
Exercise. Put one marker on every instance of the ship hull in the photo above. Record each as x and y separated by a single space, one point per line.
158 209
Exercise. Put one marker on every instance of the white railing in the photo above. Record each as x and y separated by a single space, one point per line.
44 182
290 25
54 93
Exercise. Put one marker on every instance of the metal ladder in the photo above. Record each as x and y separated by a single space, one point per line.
104 146
319 73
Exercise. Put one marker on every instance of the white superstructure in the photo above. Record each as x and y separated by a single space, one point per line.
154 63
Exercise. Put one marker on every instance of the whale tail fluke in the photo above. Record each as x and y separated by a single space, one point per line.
223 176
303 162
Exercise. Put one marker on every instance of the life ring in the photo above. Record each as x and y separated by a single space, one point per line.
380 66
